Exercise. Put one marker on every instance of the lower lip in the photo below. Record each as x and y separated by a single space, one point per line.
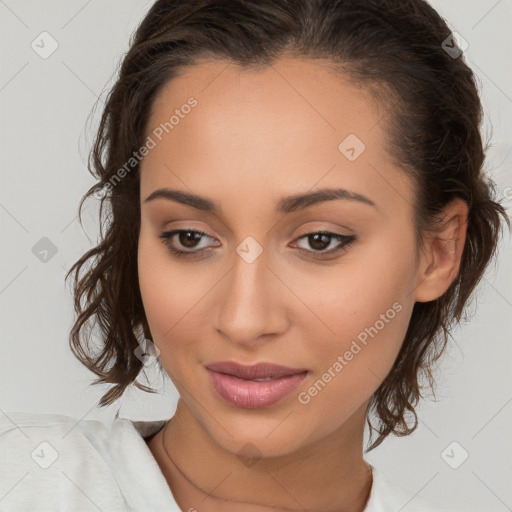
250 394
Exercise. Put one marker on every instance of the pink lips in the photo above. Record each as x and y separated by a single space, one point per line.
244 387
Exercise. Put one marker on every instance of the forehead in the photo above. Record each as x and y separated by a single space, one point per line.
291 123
290 89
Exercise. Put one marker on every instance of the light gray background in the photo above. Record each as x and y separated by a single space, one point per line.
45 141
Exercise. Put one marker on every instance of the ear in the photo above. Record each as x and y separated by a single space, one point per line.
440 258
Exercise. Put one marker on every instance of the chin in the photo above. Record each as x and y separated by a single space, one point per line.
258 437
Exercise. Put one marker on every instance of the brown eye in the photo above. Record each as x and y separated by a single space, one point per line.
188 239
185 238
321 240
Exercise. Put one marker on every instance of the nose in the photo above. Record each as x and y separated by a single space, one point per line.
252 303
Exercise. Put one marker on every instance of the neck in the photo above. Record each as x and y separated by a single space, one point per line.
328 475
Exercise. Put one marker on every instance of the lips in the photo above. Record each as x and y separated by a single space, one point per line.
258 371
255 386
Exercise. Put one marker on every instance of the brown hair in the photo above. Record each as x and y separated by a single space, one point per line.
433 116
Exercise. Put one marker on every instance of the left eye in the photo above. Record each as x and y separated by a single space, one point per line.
322 239
188 238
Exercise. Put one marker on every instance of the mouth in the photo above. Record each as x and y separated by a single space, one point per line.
255 386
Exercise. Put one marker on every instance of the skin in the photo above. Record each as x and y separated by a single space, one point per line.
254 137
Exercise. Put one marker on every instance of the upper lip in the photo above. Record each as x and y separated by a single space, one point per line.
253 371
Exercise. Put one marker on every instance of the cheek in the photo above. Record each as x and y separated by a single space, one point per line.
365 309
172 296
351 365
357 298
164 297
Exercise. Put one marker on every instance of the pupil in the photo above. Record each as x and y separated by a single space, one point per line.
315 241
189 240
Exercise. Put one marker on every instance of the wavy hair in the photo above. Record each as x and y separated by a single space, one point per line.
395 49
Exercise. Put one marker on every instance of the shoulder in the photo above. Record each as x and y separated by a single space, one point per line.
50 455
388 495
74 463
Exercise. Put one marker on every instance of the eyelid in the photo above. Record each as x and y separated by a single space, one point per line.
343 242
169 234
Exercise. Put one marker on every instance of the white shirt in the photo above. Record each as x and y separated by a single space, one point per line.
52 462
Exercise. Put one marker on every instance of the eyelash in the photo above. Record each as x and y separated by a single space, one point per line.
345 241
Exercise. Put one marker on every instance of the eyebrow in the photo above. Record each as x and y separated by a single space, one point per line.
289 204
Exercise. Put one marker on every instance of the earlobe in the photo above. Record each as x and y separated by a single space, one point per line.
441 257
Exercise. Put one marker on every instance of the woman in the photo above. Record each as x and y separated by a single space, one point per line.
297 217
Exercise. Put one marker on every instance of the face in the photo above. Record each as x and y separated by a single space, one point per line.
322 286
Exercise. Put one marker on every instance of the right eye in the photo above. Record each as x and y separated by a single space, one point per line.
186 238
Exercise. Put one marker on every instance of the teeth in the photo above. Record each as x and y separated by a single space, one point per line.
266 378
